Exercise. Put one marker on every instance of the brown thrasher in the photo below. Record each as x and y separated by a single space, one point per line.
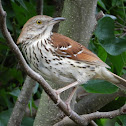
59 58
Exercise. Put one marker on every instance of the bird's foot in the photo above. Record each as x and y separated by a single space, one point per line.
69 108
58 96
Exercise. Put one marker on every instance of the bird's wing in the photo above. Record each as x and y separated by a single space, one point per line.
66 47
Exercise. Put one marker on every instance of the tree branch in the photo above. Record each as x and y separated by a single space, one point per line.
99 100
27 89
74 116
21 103
80 15
96 115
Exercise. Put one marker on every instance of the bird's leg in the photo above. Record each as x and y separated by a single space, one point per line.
60 90
68 101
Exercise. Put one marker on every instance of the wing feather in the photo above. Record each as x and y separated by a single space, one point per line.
67 47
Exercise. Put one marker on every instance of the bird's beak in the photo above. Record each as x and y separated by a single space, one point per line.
57 19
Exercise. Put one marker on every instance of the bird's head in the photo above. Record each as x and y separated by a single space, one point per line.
38 25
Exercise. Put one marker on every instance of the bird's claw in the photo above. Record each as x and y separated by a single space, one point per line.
68 108
58 96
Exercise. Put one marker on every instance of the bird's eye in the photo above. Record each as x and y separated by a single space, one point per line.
39 22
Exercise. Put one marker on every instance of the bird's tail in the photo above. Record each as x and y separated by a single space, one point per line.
121 82
111 77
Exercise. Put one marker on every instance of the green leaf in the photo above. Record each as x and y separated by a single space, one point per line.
22 4
101 122
118 62
123 119
12 0
15 92
105 28
102 53
22 14
115 104
1 35
15 74
5 99
11 74
114 46
34 105
30 105
3 48
48 9
116 2
101 4
116 124
4 117
35 88
100 86
105 34
111 16
9 24
27 121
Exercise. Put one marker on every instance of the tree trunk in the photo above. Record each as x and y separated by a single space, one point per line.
80 21
22 102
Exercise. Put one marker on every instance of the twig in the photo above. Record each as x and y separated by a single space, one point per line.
39 7
120 29
92 116
99 15
121 19
99 100
93 123
26 92
110 114
21 103
120 25
74 116
124 34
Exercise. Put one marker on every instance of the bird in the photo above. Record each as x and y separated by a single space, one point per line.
60 59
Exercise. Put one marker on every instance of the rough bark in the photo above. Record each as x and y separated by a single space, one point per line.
80 20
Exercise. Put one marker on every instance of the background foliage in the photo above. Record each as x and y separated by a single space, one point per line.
108 42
